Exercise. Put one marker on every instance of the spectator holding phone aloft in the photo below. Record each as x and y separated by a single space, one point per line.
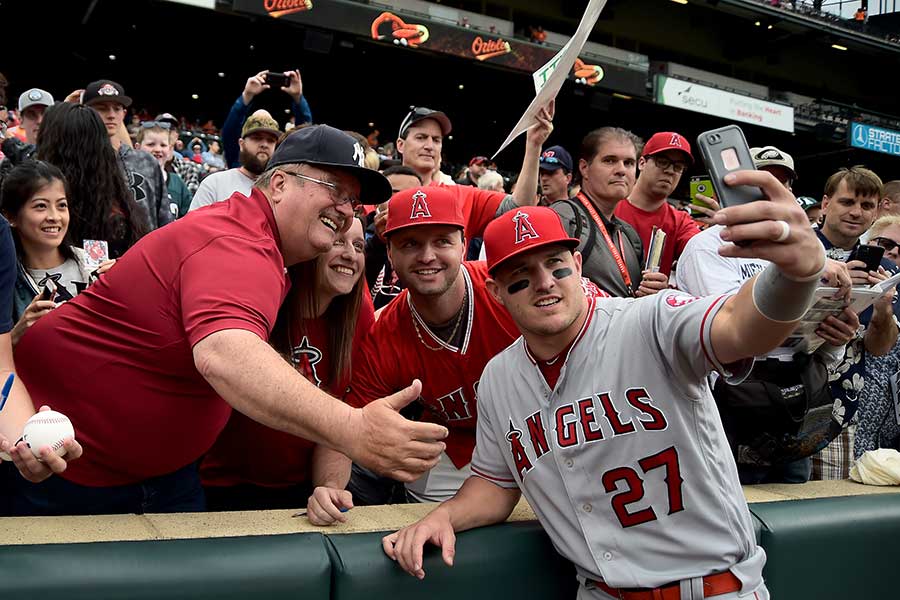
34 199
231 129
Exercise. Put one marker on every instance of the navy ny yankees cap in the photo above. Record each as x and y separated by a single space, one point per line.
323 145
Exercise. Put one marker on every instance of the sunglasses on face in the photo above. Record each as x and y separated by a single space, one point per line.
887 243
152 124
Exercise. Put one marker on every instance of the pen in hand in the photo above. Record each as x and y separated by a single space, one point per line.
4 394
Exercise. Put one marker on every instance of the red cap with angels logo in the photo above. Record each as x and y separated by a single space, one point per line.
667 140
430 205
521 230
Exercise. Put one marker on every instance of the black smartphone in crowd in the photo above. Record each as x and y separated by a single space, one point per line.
725 150
277 79
869 254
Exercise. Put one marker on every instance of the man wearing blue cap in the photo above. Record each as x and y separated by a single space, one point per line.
555 174
177 335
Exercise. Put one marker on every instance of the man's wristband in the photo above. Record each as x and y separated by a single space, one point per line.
779 298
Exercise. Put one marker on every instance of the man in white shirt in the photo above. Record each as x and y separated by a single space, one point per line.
258 139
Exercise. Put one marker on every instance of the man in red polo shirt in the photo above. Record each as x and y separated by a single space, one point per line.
665 157
149 362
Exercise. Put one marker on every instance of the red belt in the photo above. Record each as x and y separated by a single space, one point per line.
713 585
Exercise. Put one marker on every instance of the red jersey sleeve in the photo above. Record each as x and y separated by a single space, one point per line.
480 207
231 283
686 228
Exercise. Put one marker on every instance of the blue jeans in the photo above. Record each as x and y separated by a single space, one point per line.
179 491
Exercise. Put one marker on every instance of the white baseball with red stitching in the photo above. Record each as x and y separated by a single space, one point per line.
48 428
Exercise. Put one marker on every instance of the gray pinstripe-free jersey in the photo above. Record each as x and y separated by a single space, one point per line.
625 461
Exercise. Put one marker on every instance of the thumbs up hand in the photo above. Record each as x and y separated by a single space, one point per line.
391 445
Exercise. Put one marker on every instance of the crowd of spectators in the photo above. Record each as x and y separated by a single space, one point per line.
166 278
813 9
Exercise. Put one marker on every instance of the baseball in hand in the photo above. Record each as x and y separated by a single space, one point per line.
48 428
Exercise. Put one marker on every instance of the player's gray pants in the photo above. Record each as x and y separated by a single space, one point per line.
589 592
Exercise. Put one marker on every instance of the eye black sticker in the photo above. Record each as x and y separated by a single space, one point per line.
515 288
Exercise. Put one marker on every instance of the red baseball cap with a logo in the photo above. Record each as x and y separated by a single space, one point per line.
424 206
521 230
667 140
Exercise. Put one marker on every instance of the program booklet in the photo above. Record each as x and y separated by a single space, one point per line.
804 338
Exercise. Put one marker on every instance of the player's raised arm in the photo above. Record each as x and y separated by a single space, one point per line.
477 503
767 307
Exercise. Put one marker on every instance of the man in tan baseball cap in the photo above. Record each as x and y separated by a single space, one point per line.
258 138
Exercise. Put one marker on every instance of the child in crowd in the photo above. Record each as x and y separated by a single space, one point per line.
34 199
153 137
325 312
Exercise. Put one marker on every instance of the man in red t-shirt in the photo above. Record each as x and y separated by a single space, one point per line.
444 326
149 361
665 157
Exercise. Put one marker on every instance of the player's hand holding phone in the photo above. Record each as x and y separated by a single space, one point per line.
777 230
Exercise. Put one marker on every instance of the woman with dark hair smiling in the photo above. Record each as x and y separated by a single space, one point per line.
34 198
73 138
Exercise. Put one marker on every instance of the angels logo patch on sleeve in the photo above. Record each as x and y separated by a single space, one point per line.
678 299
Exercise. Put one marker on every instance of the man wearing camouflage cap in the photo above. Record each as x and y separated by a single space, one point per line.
258 139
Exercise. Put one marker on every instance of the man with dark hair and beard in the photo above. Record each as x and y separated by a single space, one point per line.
258 139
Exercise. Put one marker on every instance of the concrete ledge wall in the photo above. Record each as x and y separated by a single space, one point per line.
819 547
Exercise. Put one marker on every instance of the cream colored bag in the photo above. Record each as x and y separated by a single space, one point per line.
877 467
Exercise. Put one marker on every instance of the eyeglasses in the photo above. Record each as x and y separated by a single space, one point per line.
887 243
338 200
152 124
664 163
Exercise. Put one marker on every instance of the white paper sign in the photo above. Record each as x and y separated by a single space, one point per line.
549 78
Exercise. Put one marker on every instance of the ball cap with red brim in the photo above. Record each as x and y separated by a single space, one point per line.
521 230
667 140
429 205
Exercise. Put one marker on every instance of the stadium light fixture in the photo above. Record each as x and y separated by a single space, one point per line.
757 23
680 1
839 47
770 27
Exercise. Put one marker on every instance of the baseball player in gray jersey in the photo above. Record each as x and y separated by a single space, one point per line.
600 413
